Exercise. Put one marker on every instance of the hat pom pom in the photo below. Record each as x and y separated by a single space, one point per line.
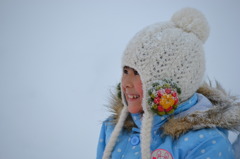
192 20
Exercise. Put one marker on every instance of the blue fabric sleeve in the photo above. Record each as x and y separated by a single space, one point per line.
213 147
101 142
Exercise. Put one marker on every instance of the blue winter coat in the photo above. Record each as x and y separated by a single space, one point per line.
205 143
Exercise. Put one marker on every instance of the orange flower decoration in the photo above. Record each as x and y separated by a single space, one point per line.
167 100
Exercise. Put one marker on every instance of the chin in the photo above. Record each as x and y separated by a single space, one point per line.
134 110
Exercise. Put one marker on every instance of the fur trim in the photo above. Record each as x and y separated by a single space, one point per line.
225 113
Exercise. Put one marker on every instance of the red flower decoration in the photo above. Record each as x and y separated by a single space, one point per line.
168 91
159 94
160 108
156 100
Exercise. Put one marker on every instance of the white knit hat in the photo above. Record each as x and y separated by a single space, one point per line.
165 51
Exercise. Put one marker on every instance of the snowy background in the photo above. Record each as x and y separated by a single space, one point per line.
60 59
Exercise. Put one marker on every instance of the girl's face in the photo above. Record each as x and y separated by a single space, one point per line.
132 89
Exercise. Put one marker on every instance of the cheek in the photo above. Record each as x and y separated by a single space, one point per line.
138 88
122 83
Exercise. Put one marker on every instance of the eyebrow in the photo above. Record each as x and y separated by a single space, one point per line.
127 67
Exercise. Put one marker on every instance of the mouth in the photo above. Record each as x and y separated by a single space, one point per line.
132 97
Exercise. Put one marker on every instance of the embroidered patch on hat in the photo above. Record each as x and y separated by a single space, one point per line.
163 97
161 153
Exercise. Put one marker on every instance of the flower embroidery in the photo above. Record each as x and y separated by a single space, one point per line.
161 153
164 97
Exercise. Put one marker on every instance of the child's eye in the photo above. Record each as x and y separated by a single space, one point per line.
125 71
136 72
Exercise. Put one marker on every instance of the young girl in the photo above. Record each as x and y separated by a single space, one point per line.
164 110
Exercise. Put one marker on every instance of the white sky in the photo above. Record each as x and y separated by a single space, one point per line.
60 59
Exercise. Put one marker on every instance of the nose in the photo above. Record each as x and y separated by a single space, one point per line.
127 82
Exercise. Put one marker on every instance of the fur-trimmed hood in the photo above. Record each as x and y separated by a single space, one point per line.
225 113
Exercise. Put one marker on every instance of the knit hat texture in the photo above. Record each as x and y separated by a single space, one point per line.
170 50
